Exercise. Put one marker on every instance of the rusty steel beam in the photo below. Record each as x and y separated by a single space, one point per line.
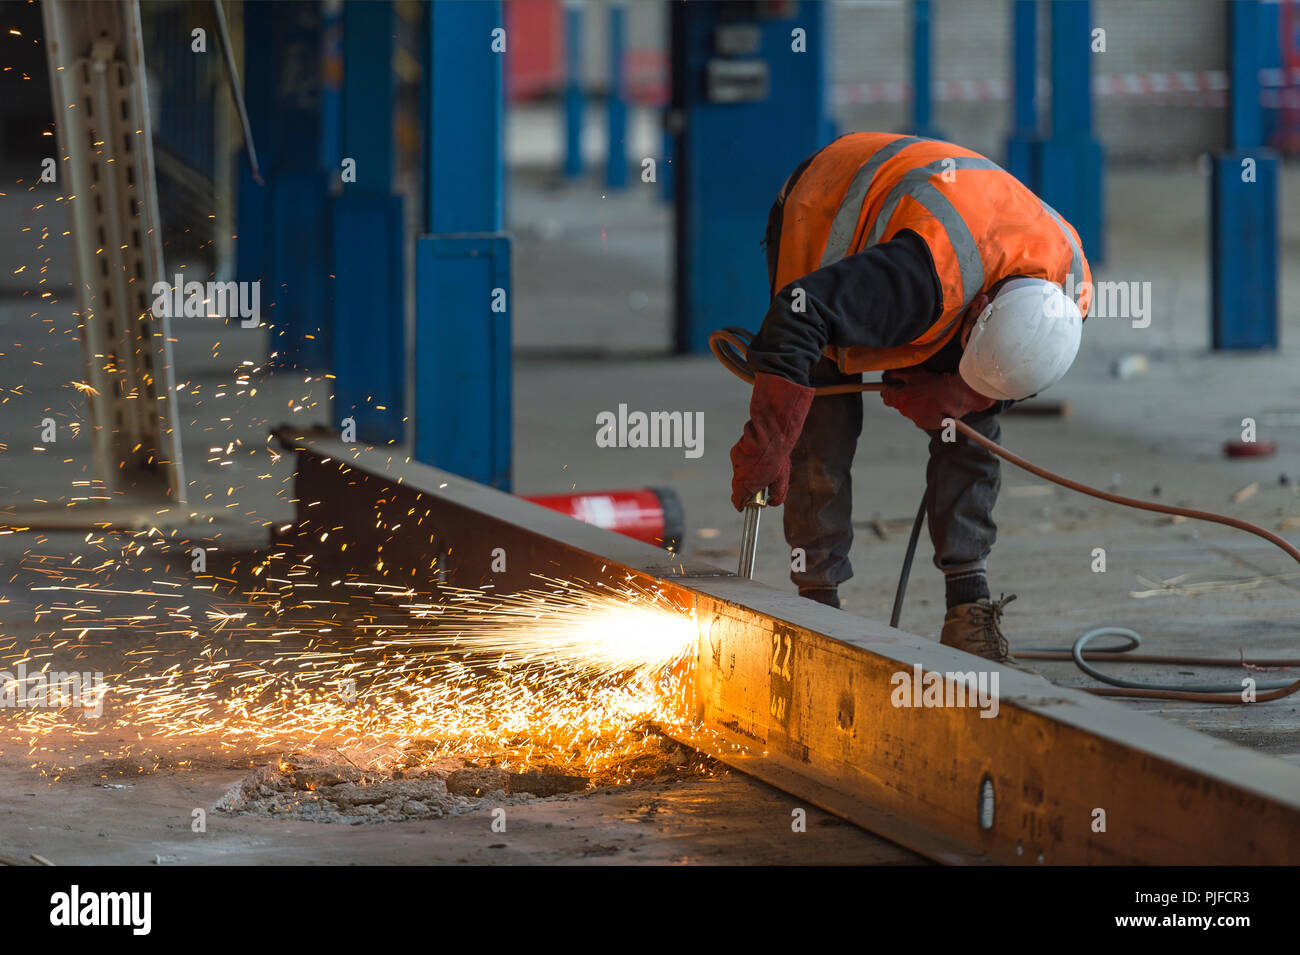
802 696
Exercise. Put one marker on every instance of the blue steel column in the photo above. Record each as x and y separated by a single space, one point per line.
573 98
1243 203
369 309
253 209
462 332
296 258
922 87
1023 142
1070 172
730 163
616 113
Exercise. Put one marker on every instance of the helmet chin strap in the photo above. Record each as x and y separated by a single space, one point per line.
972 316
980 304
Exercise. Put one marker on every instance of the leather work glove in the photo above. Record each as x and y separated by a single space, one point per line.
927 398
761 458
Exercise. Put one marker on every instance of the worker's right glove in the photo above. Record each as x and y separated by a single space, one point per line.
761 458
928 397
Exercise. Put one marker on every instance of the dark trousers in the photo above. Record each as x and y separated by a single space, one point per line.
962 482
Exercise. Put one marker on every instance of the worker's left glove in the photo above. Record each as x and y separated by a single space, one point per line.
761 458
927 398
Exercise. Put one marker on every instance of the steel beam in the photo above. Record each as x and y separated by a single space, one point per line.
101 100
801 695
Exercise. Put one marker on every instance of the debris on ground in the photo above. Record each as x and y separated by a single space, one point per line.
1246 493
1129 366
329 785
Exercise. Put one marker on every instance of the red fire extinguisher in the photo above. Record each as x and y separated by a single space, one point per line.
650 514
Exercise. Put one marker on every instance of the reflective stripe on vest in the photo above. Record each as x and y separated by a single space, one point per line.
916 185
845 224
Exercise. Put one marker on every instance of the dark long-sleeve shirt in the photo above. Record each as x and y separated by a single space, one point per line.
882 297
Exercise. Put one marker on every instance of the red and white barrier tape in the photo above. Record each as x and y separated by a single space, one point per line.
1111 84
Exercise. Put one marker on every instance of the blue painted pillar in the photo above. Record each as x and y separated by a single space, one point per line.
295 259
369 356
616 112
1023 142
253 208
740 72
922 70
1245 114
573 96
462 281
1071 161
1244 203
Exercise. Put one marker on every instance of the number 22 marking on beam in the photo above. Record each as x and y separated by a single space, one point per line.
781 684
780 666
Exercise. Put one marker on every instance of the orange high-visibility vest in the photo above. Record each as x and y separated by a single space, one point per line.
979 222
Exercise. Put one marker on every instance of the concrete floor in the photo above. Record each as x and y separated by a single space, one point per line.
591 310
146 819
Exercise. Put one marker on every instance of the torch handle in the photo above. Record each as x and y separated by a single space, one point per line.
749 535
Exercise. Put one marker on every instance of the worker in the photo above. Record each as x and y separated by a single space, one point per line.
928 262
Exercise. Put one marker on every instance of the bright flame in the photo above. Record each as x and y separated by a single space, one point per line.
595 635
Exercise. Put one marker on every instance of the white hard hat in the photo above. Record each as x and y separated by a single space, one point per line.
1024 341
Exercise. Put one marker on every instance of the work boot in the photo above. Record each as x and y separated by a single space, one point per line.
973 627
830 596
